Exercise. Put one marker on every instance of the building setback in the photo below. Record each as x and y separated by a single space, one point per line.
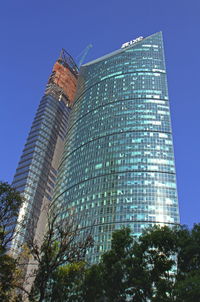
118 167
37 169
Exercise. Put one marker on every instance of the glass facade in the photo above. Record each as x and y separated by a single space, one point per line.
118 163
37 169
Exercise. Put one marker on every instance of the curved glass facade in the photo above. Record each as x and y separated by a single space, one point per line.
118 165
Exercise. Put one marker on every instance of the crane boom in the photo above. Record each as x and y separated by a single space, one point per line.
83 54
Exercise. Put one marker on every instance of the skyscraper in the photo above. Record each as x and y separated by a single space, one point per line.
118 167
37 169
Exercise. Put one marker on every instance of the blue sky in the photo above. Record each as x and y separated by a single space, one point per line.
32 34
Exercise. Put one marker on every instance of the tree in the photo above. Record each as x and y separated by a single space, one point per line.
151 268
10 202
63 244
137 270
107 281
66 282
113 265
187 287
41 259
7 268
163 264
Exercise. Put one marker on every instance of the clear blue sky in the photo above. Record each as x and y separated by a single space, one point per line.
32 34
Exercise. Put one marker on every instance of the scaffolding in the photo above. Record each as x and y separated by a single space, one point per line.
66 60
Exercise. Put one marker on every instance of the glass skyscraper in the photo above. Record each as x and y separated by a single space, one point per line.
117 168
37 169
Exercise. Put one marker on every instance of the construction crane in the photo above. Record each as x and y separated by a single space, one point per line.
83 54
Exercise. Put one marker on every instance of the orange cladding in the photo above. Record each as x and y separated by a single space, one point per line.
66 80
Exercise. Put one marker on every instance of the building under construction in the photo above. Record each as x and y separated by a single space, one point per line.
37 169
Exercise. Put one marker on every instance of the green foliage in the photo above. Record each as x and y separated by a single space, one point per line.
7 268
10 202
92 286
66 282
163 265
113 265
187 286
139 270
188 289
62 245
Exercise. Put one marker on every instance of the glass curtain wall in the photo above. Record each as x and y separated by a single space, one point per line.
118 164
